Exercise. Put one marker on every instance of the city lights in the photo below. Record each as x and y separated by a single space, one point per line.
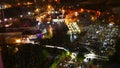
59 33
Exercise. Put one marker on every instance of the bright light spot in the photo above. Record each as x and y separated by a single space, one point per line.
10 18
16 50
58 20
21 16
91 56
7 25
37 19
48 22
18 40
69 32
18 4
76 13
5 19
98 13
56 12
49 12
29 3
52 12
39 23
68 53
97 31
85 60
29 13
49 6
57 1
111 23
43 37
73 55
37 10
5 6
81 10
50 31
44 31
63 11
93 18
88 10
73 28
32 37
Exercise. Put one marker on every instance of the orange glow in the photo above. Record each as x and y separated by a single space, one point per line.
76 14
7 6
49 6
63 11
70 17
93 18
29 3
18 40
88 10
37 10
98 13
16 50
18 4
81 10
50 30
57 1
39 19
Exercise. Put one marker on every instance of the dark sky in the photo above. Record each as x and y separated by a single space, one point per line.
88 1
13 1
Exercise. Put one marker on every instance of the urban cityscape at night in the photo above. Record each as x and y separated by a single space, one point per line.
59 33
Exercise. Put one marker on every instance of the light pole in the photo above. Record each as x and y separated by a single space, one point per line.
3 16
2 13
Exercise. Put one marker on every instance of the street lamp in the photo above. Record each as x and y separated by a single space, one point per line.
3 24
3 16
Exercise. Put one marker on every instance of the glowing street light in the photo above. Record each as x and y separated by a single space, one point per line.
21 16
18 40
5 19
10 18
29 13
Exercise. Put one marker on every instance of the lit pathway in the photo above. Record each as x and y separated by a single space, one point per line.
62 48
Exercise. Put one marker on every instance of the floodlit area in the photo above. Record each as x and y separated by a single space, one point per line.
59 34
